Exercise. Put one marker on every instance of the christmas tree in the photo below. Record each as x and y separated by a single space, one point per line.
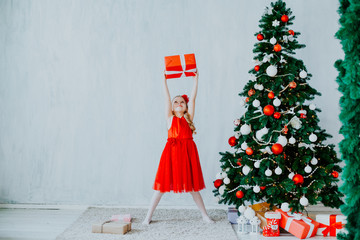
349 85
279 151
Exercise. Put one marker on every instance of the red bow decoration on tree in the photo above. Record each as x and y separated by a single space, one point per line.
185 97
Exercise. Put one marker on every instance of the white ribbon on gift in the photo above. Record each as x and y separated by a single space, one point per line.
183 65
299 216
311 146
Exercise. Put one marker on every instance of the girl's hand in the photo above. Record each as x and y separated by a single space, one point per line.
165 76
196 77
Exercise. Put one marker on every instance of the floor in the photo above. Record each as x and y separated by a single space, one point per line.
42 223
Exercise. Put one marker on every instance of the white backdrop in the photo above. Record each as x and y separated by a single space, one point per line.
81 98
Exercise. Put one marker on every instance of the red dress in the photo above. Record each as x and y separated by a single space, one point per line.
179 168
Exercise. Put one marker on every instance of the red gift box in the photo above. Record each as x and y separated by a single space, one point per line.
331 224
297 224
180 66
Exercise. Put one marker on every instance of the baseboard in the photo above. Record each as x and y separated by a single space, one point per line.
317 208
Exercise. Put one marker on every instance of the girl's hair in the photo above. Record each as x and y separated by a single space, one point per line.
186 115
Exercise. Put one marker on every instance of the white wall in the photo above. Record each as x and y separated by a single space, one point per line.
81 98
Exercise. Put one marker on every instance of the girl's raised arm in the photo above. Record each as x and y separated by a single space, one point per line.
168 111
191 105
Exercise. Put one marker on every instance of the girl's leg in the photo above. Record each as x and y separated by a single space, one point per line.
200 203
154 202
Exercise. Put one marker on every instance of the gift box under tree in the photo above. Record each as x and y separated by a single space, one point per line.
297 224
330 224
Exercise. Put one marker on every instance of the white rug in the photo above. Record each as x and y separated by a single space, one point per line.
167 224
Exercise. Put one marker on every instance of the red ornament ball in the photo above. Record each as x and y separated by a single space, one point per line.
260 37
251 92
249 151
277 48
335 174
257 68
238 162
298 179
302 115
268 110
232 141
285 130
262 187
247 99
277 148
291 32
284 18
292 84
271 95
277 115
239 194
218 183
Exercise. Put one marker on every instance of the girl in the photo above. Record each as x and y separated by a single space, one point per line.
179 168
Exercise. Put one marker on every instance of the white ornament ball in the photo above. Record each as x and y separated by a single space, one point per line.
312 106
244 146
256 189
218 176
282 140
271 71
304 201
257 164
264 130
224 175
256 103
221 189
291 38
303 74
312 137
227 180
314 161
276 102
237 135
285 207
291 175
278 171
245 170
268 172
245 129
292 140
272 40
249 213
260 87
242 209
259 135
227 169
308 169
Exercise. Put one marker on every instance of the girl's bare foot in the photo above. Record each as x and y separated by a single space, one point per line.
146 222
207 219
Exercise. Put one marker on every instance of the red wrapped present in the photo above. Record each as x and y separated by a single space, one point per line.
331 224
272 227
297 224
180 66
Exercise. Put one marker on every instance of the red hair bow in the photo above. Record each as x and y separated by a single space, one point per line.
185 97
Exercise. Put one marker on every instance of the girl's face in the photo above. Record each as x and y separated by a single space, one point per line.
179 105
